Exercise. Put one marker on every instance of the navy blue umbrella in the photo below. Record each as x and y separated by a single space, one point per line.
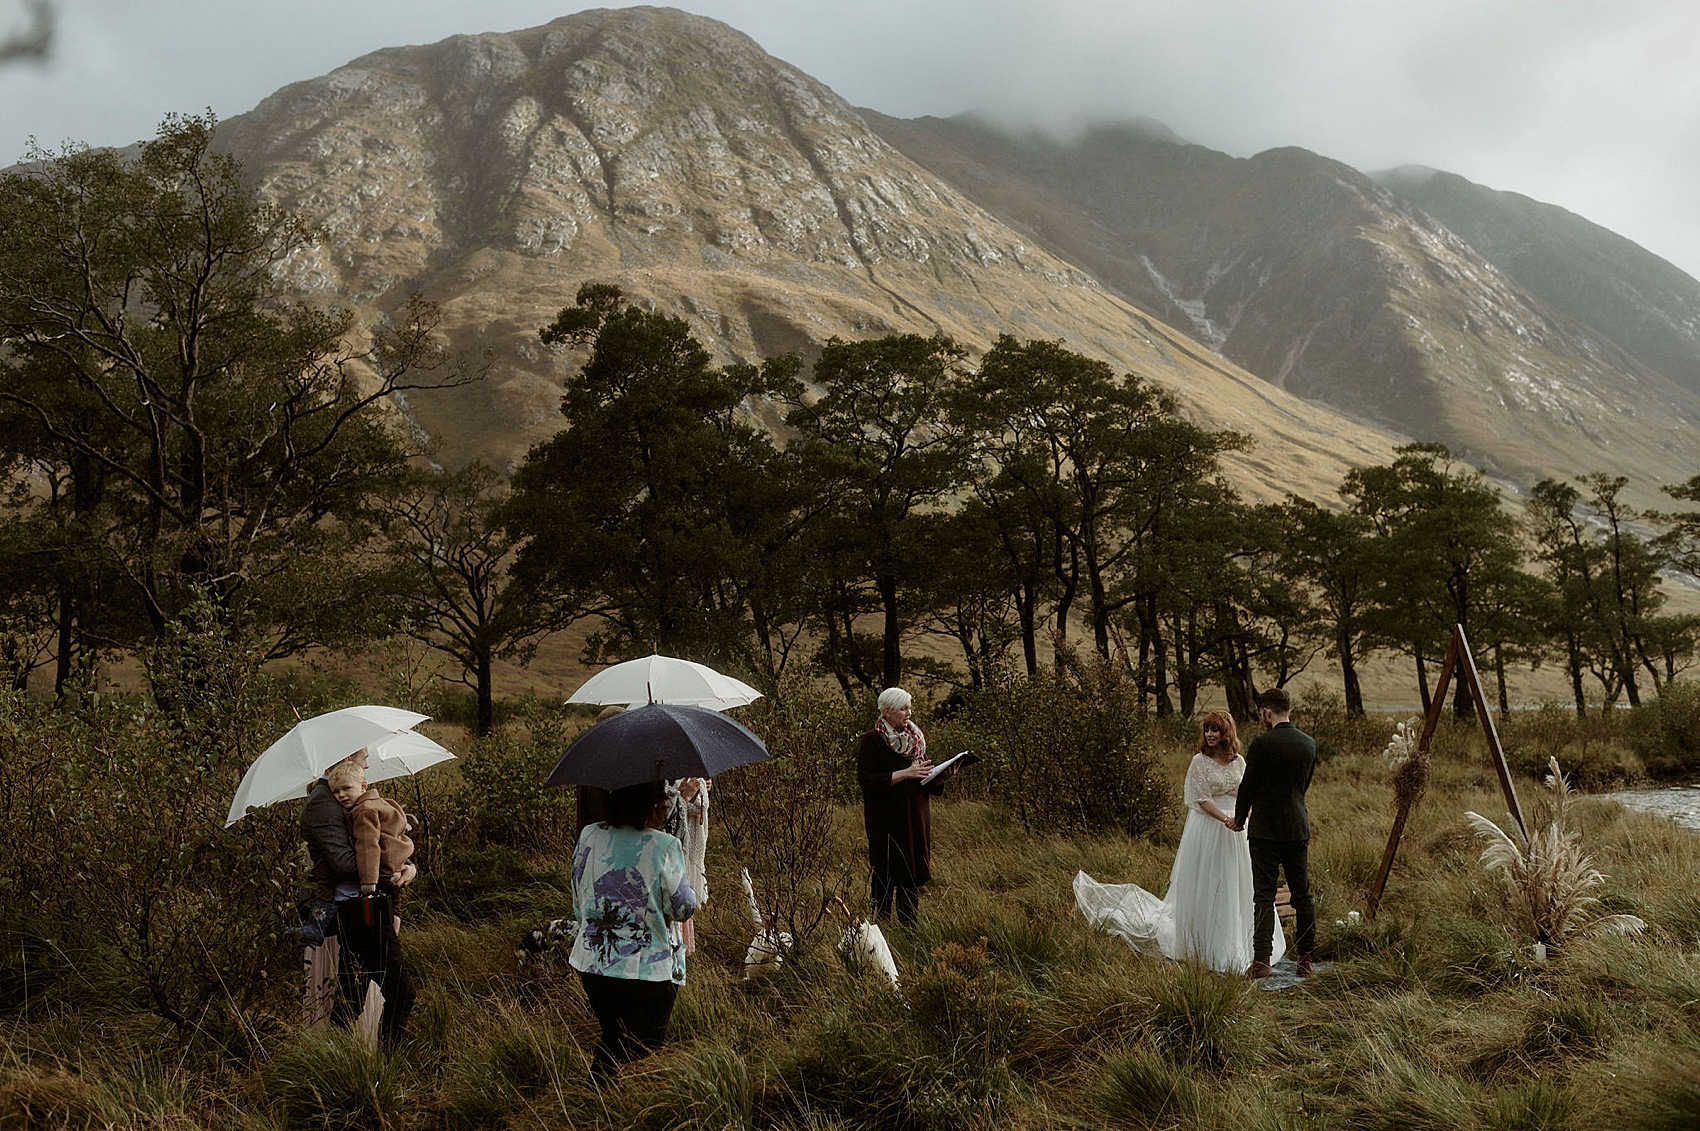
655 742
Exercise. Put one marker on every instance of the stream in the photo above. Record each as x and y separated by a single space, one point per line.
1681 803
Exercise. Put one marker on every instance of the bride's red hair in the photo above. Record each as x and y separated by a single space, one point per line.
1223 722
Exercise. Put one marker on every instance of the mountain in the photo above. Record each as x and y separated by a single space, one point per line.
1285 296
1527 339
671 155
1613 286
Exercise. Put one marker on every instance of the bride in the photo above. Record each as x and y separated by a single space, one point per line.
1206 916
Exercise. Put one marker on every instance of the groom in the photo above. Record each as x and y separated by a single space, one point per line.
1278 768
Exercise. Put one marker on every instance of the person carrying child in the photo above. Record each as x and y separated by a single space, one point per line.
368 925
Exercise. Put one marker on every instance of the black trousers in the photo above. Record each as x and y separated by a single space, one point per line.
633 1015
372 953
896 889
1269 858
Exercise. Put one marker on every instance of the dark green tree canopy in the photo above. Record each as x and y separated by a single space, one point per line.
209 433
878 442
639 511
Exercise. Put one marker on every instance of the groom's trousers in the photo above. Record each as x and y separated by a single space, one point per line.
1269 858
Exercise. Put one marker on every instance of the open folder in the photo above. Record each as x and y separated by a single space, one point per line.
962 759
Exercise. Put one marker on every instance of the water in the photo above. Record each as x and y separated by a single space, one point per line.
1681 803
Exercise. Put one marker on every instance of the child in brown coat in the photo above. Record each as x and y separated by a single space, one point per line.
377 824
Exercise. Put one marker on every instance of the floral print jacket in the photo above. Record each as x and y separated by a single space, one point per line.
630 889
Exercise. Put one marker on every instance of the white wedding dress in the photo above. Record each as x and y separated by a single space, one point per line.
1206 915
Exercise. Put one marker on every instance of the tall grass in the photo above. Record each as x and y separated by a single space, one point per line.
1014 1012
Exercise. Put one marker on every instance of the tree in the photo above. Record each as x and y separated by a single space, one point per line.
1632 570
1019 504
1681 539
968 594
1329 551
659 508
210 435
1442 544
1255 615
877 443
1572 564
1677 639
1111 463
1607 586
459 595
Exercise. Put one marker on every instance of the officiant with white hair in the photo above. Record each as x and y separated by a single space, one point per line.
891 767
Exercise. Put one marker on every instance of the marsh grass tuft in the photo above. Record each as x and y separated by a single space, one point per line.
328 1077
51 1100
1656 1083
699 1084
1142 1087
510 1059
1196 1018
1539 1104
1408 1096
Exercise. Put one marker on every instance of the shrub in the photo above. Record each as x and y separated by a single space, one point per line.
504 796
1592 751
1069 749
150 898
777 816
1324 717
960 1001
1666 732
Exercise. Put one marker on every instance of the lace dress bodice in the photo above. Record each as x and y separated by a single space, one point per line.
1207 779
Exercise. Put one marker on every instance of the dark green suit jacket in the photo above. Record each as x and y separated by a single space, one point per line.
1279 764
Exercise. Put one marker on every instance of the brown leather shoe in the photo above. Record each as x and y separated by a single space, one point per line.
1303 965
1259 970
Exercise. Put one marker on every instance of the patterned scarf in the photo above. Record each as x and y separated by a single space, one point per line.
908 742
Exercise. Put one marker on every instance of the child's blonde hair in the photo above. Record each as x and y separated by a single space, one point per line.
344 773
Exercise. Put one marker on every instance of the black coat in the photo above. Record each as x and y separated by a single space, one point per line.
897 817
1279 764
324 824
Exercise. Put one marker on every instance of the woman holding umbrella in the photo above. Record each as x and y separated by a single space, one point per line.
631 892
630 886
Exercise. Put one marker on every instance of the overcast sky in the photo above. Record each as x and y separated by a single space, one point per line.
1593 105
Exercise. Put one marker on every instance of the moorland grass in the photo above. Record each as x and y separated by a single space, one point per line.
1013 1012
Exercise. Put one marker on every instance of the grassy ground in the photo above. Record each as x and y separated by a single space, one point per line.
1014 1012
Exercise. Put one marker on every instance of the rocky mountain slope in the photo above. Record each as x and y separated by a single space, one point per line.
1527 339
1596 277
671 155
